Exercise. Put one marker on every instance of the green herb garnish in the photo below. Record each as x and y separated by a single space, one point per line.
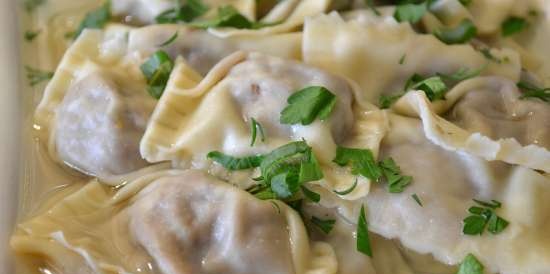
96 19
183 13
283 171
434 87
462 74
392 173
361 160
482 217
417 199
410 12
254 127
363 240
385 101
157 71
459 34
170 40
36 76
324 225
470 265
311 195
465 2
235 163
532 91
347 191
228 16
370 4
513 25
307 104
31 5
402 59
30 35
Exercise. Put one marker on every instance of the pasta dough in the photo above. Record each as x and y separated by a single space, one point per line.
178 222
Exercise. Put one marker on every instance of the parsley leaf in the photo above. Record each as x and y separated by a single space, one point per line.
484 217
417 200
234 163
434 87
157 71
402 59
496 224
459 34
286 168
347 191
228 16
371 6
96 19
324 225
284 185
462 74
307 104
385 101
470 265
513 25
183 13
31 5
36 76
410 12
254 127
170 40
532 91
396 181
311 195
363 241
361 160
30 35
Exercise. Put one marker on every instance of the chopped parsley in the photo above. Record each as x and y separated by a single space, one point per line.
470 265
234 163
170 40
36 76
385 101
31 5
311 195
30 35
513 25
96 19
532 91
362 162
392 173
254 128
370 4
228 16
363 241
462 74
489 56
183 13
484 217
434 87
157 71
324 225
417 199
307 104
459 34
347 191
402 59
410 12
283 171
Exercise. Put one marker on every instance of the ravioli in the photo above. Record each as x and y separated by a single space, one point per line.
172 215
242 87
